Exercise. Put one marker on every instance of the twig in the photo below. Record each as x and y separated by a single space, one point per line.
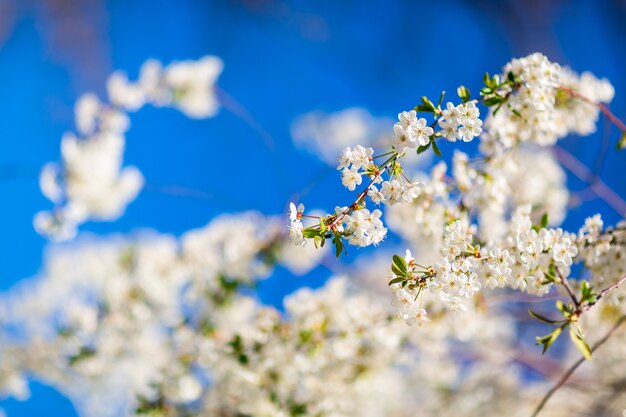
599 188
575 366
569 290
606 291
603 108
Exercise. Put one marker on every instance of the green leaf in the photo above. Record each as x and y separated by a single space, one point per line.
428 104
587 293
544 221
464 93
396 280
621 144
511 77
319 241
338 245
542 318
492 101
436 148
515 112
310 232
422 109
322 225
560 305
423 148
549 339
579 341
498 108
486 79
399 264
443 93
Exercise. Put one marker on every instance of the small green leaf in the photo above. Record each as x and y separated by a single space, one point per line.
310 232
621 144
492 101
579 341
587 293
436 148
464 93
322 225
563 308
515 112
428 104
544 221
511 77
422 109
319 241
396 280
338 245
486 79
549 339
423 148
542 318
443 93
399 263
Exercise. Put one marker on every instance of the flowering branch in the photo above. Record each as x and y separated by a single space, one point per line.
602 107
604 292
575 366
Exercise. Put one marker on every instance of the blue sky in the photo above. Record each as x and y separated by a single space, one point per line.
282 59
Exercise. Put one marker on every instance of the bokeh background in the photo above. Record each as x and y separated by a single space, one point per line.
282 59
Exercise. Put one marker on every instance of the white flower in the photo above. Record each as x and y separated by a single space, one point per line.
407 118
410 191
192 85
350 178
564 252
403 300
419 132
401 139
295 213
469 131
392 191
376 196
361 157
49 182
416 316
345 159
124 94
448 129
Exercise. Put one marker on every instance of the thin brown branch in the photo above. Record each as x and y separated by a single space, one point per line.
602 107
568 289
606 291
575 366
599 188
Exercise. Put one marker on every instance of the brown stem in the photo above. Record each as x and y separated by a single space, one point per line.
599 188
606 291
568 288
575 366
363 193
602 107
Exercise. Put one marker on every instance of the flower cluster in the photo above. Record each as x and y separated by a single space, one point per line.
200 347
178 299
461 122
411 132
157 325
488 226
529 112
91 182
